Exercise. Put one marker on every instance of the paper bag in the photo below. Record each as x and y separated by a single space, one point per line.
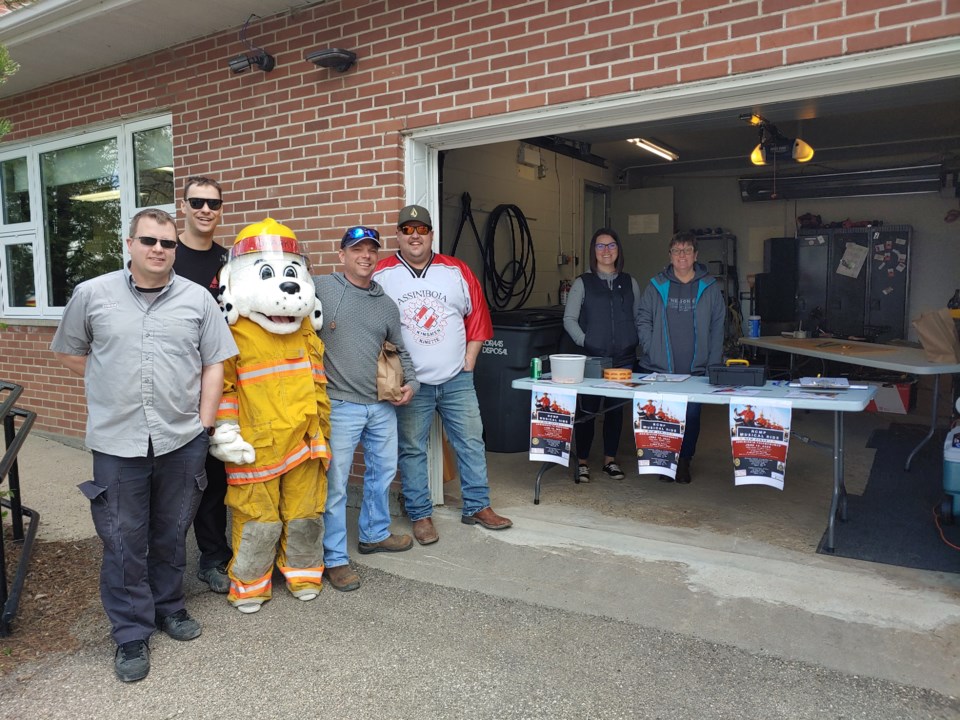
389 373
938 336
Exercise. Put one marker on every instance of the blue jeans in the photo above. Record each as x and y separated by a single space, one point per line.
376 427
456 401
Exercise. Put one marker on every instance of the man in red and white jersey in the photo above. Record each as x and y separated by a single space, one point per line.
445 321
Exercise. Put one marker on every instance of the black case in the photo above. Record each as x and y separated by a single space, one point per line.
753 375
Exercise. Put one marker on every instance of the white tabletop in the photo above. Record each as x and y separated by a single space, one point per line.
852 352
698 389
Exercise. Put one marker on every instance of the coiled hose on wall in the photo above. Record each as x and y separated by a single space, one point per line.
509 287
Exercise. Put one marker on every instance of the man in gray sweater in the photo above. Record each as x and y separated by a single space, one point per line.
358 317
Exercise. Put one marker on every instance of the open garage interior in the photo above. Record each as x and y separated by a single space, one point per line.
885 156
569 184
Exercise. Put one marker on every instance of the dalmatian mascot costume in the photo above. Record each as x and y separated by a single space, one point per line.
274 417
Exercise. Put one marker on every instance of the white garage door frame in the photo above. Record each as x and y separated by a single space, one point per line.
921 62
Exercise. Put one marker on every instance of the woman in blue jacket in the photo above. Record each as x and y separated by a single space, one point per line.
680 326
601 317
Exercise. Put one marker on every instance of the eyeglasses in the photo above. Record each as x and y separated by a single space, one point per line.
411 229
151 241
361 233
606 246
682 251
198 203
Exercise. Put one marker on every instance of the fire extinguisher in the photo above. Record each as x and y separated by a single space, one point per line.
565 286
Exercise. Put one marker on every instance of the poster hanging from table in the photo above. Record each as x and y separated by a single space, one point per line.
658 427
759 437
552 411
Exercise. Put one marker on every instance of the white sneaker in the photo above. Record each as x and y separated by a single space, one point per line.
248 608
583 474
306 595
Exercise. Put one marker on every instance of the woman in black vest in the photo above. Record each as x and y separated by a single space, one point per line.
600 316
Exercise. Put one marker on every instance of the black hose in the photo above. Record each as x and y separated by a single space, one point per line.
510 287
513 284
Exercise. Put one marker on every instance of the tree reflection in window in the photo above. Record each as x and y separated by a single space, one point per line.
81 198
153 166
16 195
21 291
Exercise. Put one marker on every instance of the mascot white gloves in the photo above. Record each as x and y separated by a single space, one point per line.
228 446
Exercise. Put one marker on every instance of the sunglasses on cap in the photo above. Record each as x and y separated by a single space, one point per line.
411 229
151 241
356 234
198 203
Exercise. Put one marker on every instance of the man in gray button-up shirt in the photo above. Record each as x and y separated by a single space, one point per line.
150 347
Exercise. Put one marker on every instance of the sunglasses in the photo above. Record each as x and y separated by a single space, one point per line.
151 241
361 233
198 203
411 229
606 246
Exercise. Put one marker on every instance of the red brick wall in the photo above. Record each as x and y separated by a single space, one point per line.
320 150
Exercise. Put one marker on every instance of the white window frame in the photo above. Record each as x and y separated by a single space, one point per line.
33 231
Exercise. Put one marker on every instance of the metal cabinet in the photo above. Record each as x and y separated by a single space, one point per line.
854 281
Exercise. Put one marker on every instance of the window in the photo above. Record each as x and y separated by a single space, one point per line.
66 205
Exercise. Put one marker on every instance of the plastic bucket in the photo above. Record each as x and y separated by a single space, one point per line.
567 368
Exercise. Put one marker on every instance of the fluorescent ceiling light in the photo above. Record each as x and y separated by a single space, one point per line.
656 148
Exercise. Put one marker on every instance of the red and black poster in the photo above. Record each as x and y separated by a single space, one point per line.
658 426
552 412
760 436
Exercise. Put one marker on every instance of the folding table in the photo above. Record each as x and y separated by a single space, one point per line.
698 389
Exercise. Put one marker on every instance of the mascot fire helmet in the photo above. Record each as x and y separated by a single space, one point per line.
267 237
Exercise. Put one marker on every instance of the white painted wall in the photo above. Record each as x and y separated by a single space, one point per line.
553 206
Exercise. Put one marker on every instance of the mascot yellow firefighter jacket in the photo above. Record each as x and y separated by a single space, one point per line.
275 389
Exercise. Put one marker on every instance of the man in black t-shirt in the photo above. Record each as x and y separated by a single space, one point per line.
199 258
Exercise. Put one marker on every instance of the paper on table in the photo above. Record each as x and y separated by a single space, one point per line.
824 382
664 377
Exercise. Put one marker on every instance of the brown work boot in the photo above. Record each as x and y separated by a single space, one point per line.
342 578
391 543
424 531
488 518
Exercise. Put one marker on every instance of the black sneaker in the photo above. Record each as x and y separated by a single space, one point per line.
613 470
132 661
180 626
216 577
583 474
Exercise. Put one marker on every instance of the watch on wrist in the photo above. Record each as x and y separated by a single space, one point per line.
210 429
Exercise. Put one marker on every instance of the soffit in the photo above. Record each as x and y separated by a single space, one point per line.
58 39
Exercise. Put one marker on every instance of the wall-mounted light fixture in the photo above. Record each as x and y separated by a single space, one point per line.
333 58
257 57
773 145
261 59
657 148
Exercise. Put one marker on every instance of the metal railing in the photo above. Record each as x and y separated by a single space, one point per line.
15 437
